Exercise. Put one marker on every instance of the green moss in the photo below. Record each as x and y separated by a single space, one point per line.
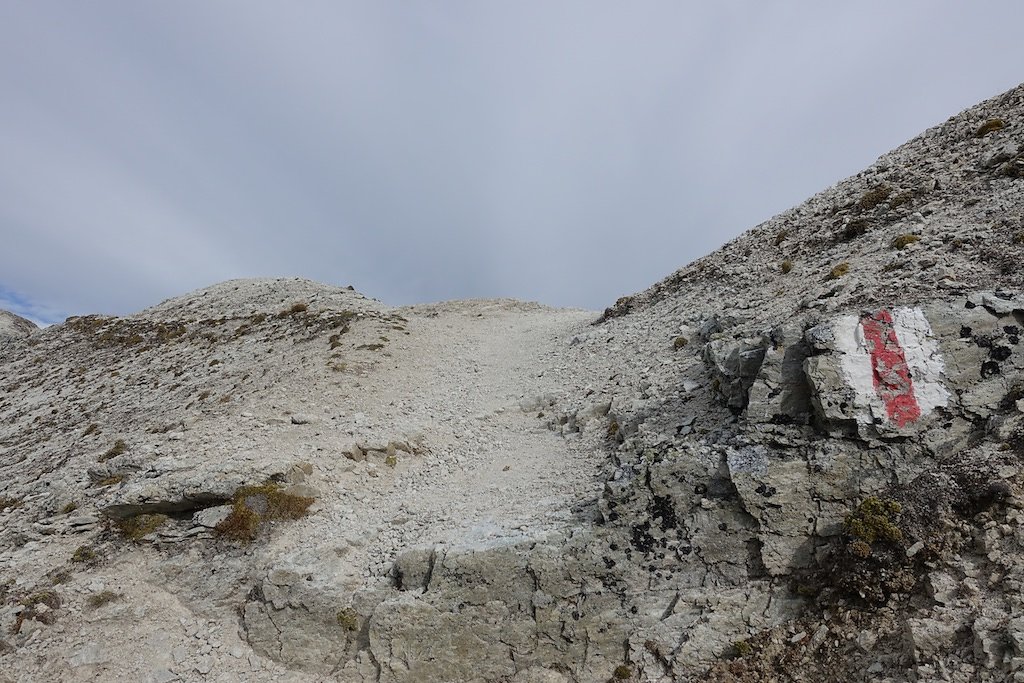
391 460
786 266
742 648
254 506
903 240
838 271
117 449
989 126
348 619
874 521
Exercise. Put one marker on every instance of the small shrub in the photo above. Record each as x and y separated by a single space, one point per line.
838 271
370 347
91 429
855 228
1018 237
137 527
117 449
679 342
69 508
258 318
903 240
613 429
97 600
203 396
905 197
84 554
622 672
781 236
254 506
300 307
391 460
213 362
989 126
348 619
10 503
874 197
786 266
110 481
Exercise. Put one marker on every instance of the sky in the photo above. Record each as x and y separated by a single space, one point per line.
563 152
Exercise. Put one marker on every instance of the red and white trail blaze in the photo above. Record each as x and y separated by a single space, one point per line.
891 360
890 370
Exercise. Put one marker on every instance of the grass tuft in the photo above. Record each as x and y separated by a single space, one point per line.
252 507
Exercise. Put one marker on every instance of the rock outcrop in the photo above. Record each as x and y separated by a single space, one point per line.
796 459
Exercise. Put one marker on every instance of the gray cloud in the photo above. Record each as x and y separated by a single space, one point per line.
566 152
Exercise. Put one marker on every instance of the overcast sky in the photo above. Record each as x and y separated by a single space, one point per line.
565 152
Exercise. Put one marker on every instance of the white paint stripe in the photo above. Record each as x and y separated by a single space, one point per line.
921 350
855 363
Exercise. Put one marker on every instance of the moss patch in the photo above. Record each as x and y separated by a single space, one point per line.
874 521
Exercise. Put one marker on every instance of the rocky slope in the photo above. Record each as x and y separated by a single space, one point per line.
796 459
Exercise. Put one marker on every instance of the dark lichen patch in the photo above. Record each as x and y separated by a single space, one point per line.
254 507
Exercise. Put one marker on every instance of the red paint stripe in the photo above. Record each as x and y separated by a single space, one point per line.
889 367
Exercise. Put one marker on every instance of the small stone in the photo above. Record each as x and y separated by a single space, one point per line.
179 654
162 675
212 516
915 549
82 520
88 655
299 419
